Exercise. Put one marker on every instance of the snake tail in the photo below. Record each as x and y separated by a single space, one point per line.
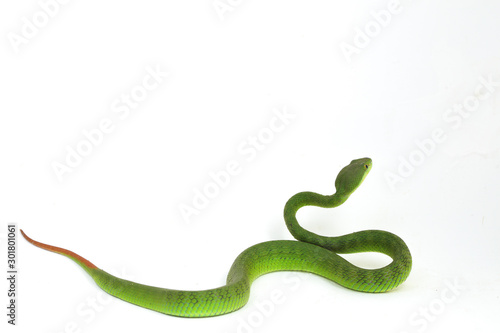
180 303
81 261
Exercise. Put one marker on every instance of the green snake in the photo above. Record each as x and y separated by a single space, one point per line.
311 253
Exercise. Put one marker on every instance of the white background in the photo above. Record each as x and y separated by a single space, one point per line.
228 73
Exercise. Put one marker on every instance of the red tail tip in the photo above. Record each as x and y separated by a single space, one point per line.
59 250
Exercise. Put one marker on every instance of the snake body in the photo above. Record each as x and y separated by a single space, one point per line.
311 253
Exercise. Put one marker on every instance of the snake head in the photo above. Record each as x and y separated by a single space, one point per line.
352 175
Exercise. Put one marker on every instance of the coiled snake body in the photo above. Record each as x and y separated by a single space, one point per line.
311 253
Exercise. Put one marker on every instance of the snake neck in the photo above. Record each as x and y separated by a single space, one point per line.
302 199
361 241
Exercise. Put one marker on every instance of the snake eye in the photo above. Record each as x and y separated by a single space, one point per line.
366 166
